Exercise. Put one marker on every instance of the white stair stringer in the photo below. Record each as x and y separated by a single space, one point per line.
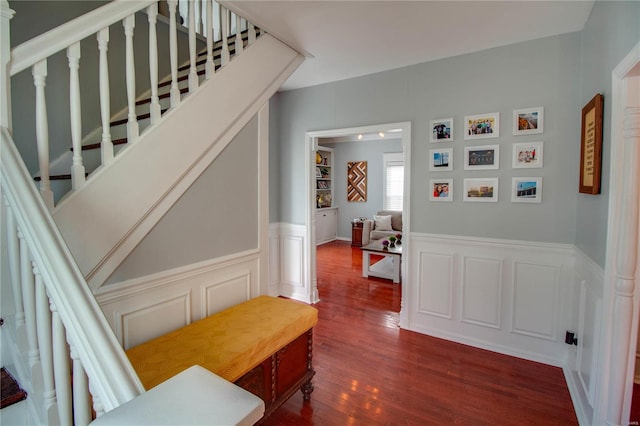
106 219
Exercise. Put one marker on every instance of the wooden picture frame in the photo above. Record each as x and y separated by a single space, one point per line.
591 146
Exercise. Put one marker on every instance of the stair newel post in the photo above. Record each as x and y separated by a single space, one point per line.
251 33
239 42
106 146
81 403
77 168
210 67
61 370
39 72
193 71
129 24
5 56
224 25
154 108
173 53
43 316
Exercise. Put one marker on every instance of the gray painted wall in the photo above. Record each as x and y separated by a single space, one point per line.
371 152
217 216
612 30
536 73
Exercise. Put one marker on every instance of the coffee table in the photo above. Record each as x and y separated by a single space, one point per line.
388 268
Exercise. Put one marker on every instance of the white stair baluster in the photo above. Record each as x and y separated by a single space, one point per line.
193 71
29 301
129 24
61 370
42 131
77 168
239 42
224 25
173 53
251 31
43 315
81 403
13 248
154 108
210 67
106 146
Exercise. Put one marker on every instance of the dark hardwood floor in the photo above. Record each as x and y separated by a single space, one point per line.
370 372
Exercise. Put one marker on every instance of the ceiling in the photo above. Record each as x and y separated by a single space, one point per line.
345 39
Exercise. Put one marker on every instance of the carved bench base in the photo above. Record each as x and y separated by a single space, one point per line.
278 377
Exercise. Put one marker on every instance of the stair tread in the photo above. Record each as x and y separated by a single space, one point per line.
11 391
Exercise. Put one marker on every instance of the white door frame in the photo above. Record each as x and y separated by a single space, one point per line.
311 145
621 295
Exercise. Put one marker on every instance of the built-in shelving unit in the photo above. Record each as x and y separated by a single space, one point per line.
326 212
324 177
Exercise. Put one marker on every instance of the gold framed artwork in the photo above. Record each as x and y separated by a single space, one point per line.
591 146
357 181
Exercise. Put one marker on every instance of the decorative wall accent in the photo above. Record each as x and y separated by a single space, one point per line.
357 181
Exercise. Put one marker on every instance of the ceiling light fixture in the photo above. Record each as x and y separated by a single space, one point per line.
360 137
381 134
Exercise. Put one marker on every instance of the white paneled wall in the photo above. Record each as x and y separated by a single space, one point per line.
507 296
582 364
289 270
144 308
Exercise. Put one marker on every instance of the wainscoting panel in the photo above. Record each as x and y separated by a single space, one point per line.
535 300
436 284
147 307
482 291
226 293
588 341
291 260
135 325
583 359
505 296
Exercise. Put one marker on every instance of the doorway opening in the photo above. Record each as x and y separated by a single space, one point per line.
401 131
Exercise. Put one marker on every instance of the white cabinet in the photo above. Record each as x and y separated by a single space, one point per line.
326 225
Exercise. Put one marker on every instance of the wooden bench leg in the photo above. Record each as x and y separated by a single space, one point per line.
306 388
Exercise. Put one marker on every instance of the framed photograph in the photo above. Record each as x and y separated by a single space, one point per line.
526 190
482 126
485 157
441 130
528 121
527 155
441 189
480 190
591 146
441 159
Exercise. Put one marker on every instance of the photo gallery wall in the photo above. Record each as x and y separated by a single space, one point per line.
486 156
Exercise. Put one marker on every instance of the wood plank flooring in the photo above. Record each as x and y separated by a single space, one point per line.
370 372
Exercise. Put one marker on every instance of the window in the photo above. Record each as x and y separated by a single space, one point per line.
393 184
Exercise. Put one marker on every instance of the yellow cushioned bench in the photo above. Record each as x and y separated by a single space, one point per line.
233 343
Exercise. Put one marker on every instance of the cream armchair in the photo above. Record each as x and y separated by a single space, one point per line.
378 227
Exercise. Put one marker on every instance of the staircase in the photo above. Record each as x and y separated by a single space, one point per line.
146 157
